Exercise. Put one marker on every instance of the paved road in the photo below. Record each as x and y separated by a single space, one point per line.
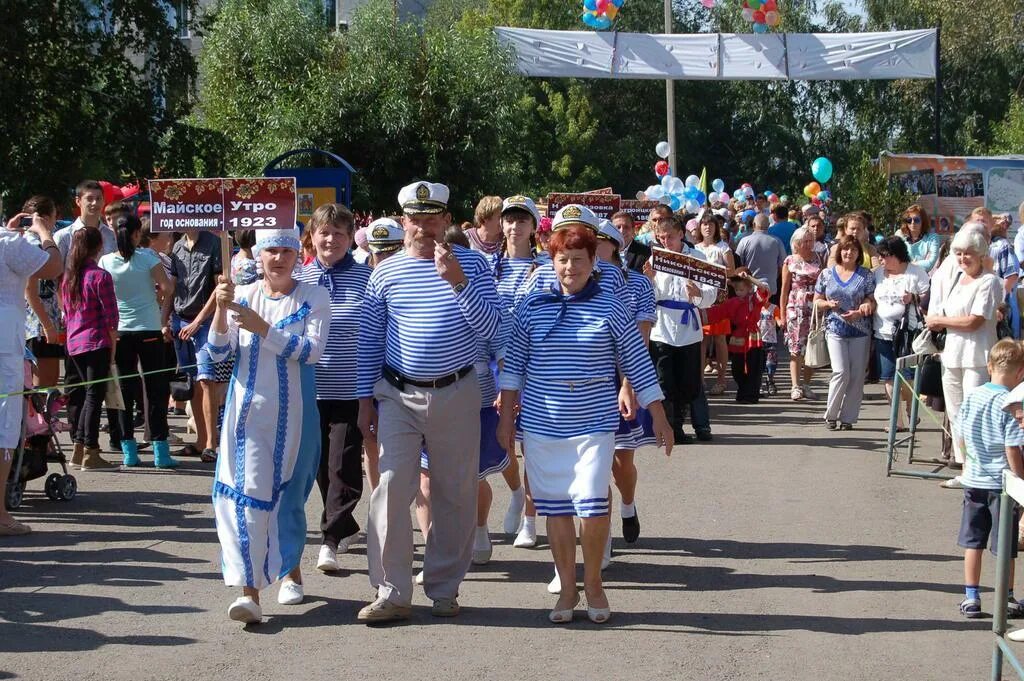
778 551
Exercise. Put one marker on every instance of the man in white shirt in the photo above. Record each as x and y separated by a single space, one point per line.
89 199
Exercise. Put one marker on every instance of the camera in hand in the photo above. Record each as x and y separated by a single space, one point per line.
25 222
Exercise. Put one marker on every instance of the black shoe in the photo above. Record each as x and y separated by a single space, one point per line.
631 528
704 435
682 438
831 425
144 445
139 421
178 412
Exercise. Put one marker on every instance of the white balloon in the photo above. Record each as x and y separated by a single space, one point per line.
692 181
655 192
692 206
666 182
676 186
641 195
663 149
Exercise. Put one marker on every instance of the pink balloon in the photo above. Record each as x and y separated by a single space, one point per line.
708 3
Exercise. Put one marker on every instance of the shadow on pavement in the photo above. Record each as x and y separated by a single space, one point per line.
825 553
36 638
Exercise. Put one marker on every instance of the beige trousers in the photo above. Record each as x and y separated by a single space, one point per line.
447 421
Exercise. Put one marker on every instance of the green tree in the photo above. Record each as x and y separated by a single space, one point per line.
89 87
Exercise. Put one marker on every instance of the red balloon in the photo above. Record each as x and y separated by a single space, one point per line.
816 201
661 168
758 17
746 5
769 6
602 5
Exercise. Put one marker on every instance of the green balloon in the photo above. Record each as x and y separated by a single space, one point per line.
754 4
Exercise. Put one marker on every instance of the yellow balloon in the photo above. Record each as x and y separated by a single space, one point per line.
811 190
611 11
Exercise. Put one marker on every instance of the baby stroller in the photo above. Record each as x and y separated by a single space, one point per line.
38 447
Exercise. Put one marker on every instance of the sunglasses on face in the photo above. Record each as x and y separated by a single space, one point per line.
915 220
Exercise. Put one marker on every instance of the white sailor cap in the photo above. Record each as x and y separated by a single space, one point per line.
606 230
277 238
384 235
519 202
423 197
1016 396
574 214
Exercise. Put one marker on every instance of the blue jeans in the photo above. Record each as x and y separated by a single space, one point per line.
192 352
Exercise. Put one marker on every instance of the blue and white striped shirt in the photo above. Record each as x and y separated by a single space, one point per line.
414 321
987 429
563 356
346 283
608 275
643 296
510 275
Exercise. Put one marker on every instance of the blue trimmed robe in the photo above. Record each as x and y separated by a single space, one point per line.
270 439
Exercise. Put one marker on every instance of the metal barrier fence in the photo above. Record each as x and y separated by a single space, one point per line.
1013 492
909 440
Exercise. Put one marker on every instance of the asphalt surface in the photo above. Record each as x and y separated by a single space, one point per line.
779 551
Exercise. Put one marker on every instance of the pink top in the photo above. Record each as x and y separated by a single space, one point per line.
90 322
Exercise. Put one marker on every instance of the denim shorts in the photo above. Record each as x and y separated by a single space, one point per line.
193 351
980 521
886 355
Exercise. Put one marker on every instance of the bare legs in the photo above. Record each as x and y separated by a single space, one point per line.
561 532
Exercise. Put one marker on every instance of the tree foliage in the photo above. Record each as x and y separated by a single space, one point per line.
89 86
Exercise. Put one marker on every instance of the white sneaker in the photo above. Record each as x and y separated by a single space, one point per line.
514 514
290 593
953 483
607 558
527 537
482 547
245 610
327 561
345 544
419 578
555 585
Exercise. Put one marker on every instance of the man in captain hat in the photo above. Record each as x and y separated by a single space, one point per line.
423 311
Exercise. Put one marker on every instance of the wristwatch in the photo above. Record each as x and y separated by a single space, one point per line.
461 286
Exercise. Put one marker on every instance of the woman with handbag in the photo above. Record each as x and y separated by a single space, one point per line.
967 316
900 286
845 291
799 273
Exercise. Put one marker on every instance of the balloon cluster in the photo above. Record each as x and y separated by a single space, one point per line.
674 191
600 14
821 169
762 14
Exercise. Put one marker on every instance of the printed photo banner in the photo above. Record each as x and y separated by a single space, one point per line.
603 205
694 269
222 204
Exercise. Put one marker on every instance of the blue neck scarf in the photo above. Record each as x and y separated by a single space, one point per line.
327 273
554 295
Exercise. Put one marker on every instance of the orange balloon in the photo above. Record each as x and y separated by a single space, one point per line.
611 11
812 190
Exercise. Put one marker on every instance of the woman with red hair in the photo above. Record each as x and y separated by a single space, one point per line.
569 404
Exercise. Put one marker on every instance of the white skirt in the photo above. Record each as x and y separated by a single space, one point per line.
570 476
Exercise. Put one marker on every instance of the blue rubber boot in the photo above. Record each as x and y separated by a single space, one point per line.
130 450
162 455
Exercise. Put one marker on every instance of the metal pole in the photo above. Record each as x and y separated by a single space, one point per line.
670 100
938 89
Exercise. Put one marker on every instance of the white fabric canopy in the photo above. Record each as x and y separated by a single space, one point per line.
723 56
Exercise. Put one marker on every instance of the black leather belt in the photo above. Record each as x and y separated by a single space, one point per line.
398 380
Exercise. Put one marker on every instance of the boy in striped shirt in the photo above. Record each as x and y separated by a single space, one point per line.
992 440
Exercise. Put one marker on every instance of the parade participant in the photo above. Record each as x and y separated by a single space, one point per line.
715 335
340 473
22 265
762 254
782 228
195 263
855 224
270 442
44 322
816 225
677 338
633 253
845 291
243 263
140 281
89 201
569 409
746 348
420 309
543 236
542 278
361 253
637 431
90 310
799 275
922 243
485 234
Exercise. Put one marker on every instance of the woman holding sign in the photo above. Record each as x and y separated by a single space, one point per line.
270 442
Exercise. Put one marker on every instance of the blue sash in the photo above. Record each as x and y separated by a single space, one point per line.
690 314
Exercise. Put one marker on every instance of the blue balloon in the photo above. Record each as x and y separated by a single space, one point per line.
618 3
718 185
690 192
602 22
821 168
675 203
588 19
701 197
747 215
738 194
590 5
760 28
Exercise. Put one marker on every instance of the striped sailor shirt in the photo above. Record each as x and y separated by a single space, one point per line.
608 274
417 324
563 356
643 295
510 273
346 283
987 429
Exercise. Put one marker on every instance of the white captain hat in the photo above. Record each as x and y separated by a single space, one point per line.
422 197
384 235
606 230
574 214
519 202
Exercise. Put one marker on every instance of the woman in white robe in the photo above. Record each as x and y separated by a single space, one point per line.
275 329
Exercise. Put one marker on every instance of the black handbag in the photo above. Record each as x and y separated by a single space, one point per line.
905 333
183 386
930 371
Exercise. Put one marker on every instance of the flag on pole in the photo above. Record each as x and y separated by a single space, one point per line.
703 184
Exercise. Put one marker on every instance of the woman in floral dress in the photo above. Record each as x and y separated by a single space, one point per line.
799 273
